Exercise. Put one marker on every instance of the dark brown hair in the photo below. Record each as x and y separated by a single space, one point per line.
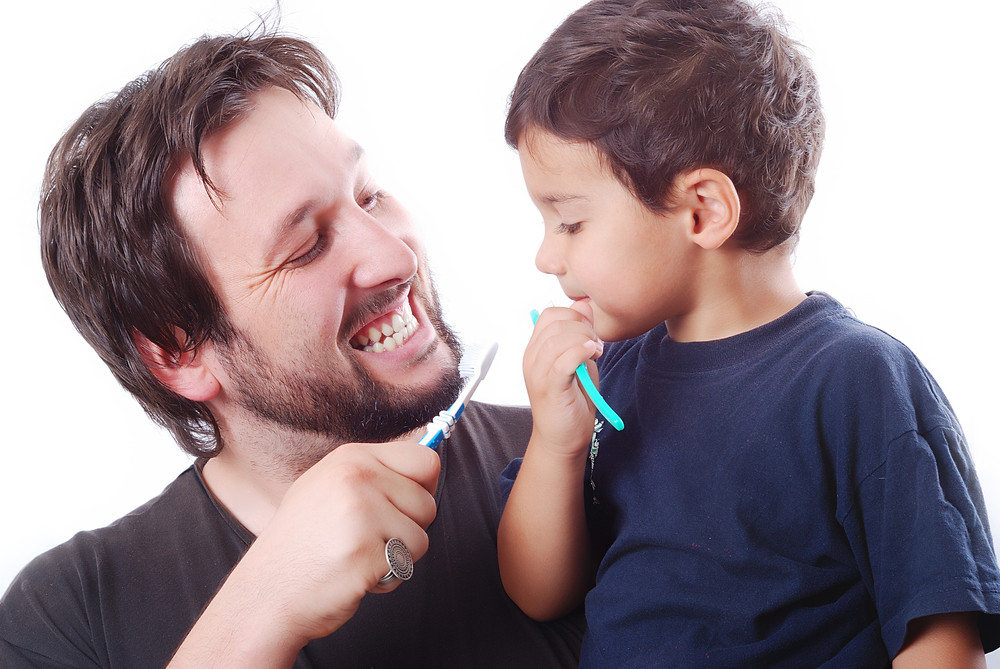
662 87
115 257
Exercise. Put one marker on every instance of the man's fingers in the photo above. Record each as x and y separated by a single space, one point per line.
410 460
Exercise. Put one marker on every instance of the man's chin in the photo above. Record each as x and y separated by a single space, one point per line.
385 413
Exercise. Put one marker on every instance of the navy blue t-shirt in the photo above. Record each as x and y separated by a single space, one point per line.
789 497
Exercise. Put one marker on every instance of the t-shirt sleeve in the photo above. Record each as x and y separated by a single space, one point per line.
41 624
918 527
507 478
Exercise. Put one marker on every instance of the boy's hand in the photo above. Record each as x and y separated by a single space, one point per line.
562 413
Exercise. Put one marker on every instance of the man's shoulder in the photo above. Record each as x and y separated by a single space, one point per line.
92 593
78 563
90 545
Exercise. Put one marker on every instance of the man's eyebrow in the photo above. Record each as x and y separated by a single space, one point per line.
289 222
294 218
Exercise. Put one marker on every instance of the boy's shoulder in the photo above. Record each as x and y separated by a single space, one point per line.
834 332
819 332
819 316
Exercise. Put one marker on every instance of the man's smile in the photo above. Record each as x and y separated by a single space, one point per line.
387 331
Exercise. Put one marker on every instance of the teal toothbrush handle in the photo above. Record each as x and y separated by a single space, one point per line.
591 390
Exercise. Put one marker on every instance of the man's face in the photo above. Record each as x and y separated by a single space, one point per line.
338 327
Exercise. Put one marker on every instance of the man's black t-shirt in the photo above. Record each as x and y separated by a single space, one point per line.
127 594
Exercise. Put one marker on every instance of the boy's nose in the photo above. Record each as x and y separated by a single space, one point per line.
547 260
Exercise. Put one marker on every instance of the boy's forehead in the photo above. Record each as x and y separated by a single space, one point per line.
557 154
558 170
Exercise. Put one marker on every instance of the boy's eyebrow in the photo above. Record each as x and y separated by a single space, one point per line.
559 198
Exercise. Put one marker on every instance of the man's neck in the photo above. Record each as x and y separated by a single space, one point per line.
252 474
259 463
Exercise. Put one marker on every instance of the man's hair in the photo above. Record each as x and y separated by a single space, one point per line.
114 254
662 87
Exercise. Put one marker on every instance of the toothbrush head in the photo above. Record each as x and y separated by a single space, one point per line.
476 360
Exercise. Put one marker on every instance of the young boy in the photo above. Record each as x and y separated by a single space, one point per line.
791 487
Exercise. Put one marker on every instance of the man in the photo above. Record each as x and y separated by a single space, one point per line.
223 246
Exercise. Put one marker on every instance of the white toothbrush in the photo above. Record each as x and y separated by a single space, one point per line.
475 363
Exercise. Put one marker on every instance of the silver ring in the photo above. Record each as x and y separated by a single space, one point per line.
400 562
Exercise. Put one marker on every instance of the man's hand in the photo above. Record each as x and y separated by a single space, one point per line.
323 550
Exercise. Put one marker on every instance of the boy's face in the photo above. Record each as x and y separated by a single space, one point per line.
601 243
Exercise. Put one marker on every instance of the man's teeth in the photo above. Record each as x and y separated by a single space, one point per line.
391 334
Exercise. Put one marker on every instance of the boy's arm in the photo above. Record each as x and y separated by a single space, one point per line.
942 641
542 542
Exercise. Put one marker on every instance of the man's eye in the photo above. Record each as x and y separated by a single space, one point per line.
568 228
370 201
317 249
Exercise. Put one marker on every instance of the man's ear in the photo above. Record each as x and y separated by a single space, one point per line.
185 373
714 204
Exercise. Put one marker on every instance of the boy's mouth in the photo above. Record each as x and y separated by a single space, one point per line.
387 332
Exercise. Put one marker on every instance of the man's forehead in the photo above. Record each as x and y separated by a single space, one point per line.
267 145
277 124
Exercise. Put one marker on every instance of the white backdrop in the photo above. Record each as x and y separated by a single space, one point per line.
903 229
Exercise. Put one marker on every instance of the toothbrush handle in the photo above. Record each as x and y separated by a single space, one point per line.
442 424
598 400
588 387
433 437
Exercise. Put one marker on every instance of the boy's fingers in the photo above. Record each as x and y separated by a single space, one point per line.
584 308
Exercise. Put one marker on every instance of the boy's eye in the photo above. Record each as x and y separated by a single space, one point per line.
568 228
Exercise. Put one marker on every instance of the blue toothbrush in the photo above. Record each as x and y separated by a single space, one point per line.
591 390
475 363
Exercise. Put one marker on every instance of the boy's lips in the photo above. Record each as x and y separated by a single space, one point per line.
387 331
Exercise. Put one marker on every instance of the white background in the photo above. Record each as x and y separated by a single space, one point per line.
903 228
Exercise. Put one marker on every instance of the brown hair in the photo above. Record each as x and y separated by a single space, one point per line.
116 259
662 87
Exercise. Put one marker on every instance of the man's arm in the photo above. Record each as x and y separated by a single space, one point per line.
940 642
322 552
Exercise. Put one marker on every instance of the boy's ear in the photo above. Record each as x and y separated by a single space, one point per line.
714 204
185 373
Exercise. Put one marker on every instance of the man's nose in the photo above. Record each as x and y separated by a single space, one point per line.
382 256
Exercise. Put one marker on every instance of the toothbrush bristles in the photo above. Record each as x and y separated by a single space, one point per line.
468 365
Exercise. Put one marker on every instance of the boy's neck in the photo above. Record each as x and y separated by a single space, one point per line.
737 292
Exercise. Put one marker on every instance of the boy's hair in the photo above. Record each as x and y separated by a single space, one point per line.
662 87
113 252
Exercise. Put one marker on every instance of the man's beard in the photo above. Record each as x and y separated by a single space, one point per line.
344 405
